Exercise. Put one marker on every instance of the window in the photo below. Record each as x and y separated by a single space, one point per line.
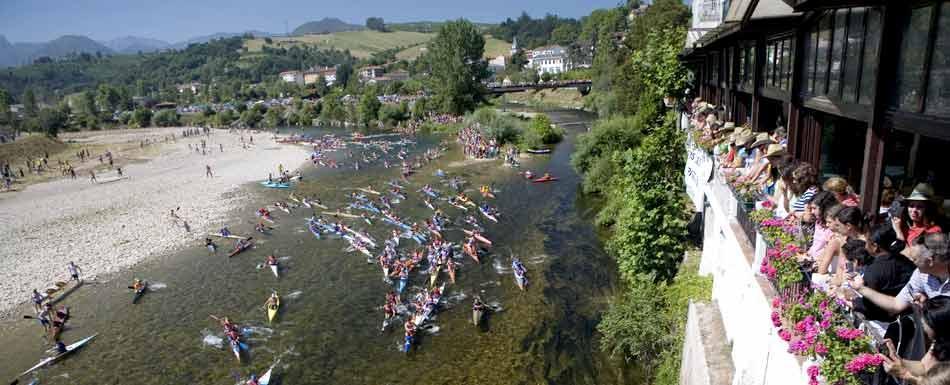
821 63
837 52
869 64
777 60
852 69
938 81
842 148
910 66
809 76
786 75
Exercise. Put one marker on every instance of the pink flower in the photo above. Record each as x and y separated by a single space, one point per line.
863 361
813 371
776 302
825 323
849 334
821 349
823 305
785 335
776 319
798 347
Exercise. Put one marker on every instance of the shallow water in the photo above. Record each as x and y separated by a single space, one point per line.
328 328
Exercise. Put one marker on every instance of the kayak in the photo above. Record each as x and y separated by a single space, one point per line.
272 310
520 278
543 179
236 251
284 209
231 236
236 348
275 185
429 308
273 268
50 360
429 204
313 229
478 237
434 276
538 150
139 293
265 379
408 344
489 216
463 208
477 315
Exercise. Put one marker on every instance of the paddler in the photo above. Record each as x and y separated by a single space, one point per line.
137 285
225 232
259 227
272 300
271 260
37 299
44 316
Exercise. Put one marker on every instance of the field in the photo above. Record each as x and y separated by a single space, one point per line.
362 44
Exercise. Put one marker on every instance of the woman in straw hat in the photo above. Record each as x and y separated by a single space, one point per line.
842 191
761 164
918 219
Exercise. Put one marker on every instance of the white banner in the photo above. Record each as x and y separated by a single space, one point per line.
708 13
699 167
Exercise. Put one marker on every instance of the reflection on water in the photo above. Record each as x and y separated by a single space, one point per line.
328 328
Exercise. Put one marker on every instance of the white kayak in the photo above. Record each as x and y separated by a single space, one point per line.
50 360
232 236
273 268
265 378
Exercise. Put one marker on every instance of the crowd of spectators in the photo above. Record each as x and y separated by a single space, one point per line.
889 270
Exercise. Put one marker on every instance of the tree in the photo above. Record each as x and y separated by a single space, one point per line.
566 33
274 117
457 66
6 116
376 24
541 132
52 120
108 98
368 108
518 60
166 118
252 116
661 15
343 74
29 103
141 117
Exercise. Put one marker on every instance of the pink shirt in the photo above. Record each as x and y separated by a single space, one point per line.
819 241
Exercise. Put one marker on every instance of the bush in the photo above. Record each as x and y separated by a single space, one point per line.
604 138
392 113
166 118
141 117
542 132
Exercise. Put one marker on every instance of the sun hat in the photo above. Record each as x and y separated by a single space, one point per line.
731 125
743 139
711 118
774 150
922 192
761 139
727 128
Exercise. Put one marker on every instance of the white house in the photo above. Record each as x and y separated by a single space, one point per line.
497 64
193 87
292 77
328 73
551 59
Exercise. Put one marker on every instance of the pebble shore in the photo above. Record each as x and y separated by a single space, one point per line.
108 227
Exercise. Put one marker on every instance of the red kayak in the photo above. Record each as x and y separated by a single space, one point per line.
543 179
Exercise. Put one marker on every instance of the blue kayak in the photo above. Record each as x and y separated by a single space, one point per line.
275 185
402 284
408 344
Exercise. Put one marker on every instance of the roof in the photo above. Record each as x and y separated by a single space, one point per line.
772 8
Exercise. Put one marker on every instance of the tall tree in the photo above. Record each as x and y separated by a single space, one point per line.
6 116
457 66
565 33
29 103
368 107
376 24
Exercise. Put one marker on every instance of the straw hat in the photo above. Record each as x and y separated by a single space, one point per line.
761 139
743 139
774 150
731 125
922 192
710 119
727 128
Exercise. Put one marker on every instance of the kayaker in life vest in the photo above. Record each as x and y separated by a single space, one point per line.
478 305
137 285
252 380
272 300
271 260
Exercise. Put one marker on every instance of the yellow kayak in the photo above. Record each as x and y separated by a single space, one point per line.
272 310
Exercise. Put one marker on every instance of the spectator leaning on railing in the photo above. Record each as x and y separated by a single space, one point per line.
887 273
931 279
934 367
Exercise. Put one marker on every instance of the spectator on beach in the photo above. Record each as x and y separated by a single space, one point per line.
208 171
74 271
92 176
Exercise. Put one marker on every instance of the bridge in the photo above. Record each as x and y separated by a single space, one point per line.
582 86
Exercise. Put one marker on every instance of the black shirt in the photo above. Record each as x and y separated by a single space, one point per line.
887 275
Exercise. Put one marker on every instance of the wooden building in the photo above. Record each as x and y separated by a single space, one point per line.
862 86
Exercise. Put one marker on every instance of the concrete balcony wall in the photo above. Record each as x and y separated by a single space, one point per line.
743 298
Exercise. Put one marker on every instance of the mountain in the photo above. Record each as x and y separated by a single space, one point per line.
8 53
134 44
65 45
219 35
327 25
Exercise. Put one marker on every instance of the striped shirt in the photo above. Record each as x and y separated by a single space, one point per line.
929 285
799 204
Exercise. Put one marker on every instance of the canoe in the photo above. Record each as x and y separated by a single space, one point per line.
275 185
538 150
491 217
543 179
231 236
236 348
50 360
434 276
237 251
139 293
272 310
520 279
273 268
478 237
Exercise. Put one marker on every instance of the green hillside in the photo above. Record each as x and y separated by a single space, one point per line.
361 44
493 48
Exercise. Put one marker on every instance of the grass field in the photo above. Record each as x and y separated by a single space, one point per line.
361 44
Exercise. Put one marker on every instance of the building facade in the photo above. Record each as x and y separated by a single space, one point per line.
551 59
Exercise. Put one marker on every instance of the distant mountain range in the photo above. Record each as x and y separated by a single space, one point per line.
16 54
326 25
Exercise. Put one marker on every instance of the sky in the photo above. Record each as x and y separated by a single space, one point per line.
178 20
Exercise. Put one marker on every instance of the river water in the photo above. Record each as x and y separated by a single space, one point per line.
328 329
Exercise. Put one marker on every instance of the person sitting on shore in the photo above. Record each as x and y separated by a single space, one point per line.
225 232
210 245
37 299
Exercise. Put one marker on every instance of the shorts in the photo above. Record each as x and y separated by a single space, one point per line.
44 322
76 276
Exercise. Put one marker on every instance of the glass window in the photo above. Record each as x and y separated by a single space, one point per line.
842 148
869 67
852 69
769 64
821 63
809 75
786 63
938 83
837 52
910 66
741 65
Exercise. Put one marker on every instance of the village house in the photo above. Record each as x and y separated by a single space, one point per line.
328 74
295 77
551 59
193 87
371 72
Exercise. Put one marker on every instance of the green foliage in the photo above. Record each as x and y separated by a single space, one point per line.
605 137
566 33
224 118
332 107
29 103
274 117
368 108
393 113
166 118
455 57
542 132
52 120
141 117
376 24
252 116
657 64
661 15
503 128
533 33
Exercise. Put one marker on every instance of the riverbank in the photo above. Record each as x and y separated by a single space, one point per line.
107 227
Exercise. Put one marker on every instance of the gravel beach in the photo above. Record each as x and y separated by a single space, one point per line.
107 227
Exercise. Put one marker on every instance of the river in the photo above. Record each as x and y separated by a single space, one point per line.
328 329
